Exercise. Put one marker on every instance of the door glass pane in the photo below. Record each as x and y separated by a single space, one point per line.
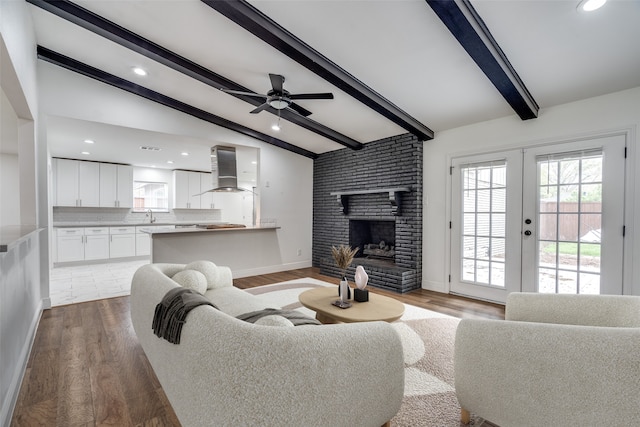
569 222
483 239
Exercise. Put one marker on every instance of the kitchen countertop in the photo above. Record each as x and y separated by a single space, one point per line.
167 230
126 224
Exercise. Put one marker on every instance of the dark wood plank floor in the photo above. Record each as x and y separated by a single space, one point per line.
87 368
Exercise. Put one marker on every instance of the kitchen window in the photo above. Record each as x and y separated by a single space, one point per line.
150 195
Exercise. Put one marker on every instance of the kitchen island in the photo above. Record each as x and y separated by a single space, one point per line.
248 251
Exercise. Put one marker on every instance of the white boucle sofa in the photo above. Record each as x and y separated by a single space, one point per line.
557 360
227 372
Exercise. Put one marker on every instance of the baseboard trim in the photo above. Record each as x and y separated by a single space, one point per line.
13 391
435 286
270 269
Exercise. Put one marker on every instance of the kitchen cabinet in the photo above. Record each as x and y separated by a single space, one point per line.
206 183
143 242
186 190
96 243
116 186
77 183
122 242
70 244
80 244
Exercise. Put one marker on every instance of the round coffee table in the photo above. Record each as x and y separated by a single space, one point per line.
378 307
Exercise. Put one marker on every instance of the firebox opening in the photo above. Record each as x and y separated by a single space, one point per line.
375 239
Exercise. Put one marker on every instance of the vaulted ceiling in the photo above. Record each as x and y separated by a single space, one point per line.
393 66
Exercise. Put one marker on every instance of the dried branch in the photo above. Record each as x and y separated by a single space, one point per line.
343 255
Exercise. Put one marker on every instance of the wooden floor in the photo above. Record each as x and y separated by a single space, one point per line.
87 368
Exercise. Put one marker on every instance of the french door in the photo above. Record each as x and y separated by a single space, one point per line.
545 219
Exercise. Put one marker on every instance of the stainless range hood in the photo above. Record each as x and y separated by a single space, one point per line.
224 174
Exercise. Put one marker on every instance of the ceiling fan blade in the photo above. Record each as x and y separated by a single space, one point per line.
300 110
260 108
238 92
276 82
311 96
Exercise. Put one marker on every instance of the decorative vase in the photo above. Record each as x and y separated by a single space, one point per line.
344 291
361 295
361 277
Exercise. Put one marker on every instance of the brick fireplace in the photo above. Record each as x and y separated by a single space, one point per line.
371 194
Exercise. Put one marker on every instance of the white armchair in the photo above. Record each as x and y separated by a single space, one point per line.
556 360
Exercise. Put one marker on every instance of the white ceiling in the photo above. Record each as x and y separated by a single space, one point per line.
399 48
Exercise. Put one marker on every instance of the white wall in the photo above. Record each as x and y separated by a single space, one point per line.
9 166
9 177
609 113
23 280
287 199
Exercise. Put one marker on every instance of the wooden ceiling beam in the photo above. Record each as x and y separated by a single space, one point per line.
469 29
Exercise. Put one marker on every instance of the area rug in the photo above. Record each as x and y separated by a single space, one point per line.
427 340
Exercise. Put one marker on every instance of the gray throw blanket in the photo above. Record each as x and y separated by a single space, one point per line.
294 316
171 312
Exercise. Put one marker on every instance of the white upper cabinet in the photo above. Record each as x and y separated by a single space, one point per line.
186 189
206 199
116 186
77 183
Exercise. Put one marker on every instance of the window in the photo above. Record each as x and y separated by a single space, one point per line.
150 195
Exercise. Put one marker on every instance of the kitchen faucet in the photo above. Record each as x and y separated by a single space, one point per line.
150 215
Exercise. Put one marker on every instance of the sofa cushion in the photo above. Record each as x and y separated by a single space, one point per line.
295 317
191 279
273 320
209 269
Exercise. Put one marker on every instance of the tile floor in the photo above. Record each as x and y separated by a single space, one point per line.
70 285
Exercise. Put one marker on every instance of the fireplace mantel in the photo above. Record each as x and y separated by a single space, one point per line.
394 197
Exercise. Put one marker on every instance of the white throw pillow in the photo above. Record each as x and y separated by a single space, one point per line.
209 269
274 320
191 279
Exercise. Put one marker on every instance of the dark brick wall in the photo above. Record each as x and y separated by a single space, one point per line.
387 163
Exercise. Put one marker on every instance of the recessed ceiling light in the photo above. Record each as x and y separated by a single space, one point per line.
254 162
170 162
184 153
86 153
590 5
89 141
139 71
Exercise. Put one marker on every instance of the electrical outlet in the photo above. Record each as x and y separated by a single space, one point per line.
299 252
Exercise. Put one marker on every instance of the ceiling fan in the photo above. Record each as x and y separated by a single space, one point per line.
279 98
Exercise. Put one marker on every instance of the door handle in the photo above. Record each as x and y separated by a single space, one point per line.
527 232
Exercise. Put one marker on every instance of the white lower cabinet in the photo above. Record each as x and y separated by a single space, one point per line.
70 244
96 243
80 244
143 244
122 242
